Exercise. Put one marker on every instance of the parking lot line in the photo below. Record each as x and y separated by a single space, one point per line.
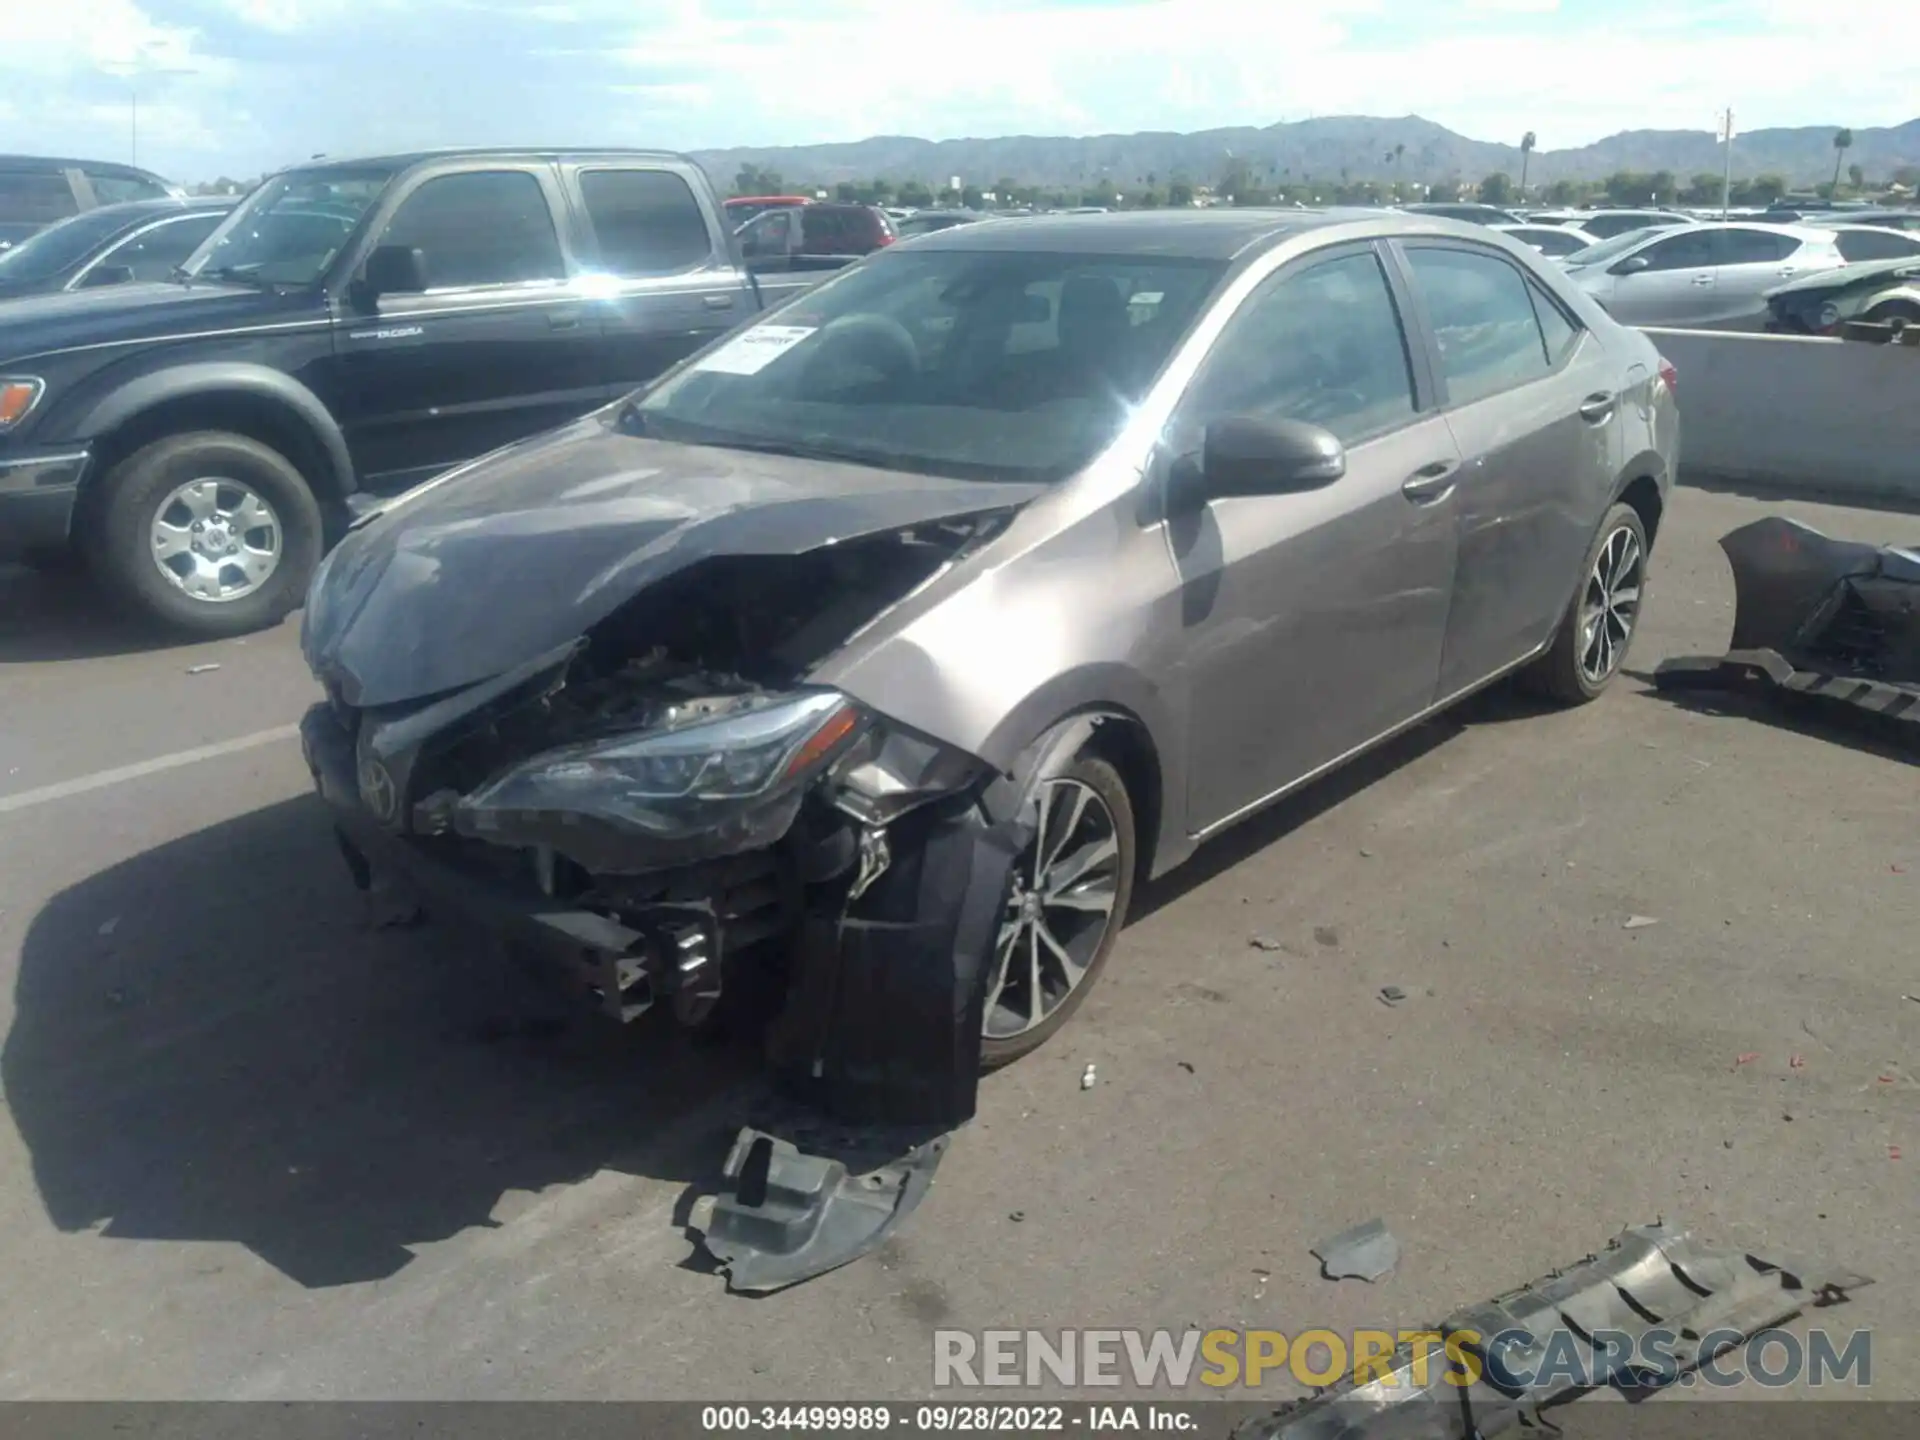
102 779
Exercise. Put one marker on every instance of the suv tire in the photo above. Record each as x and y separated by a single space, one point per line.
138 498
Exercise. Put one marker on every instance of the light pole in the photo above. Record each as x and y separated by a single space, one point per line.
1726 179
133 76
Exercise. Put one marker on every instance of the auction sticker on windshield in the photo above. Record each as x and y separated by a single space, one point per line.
753 351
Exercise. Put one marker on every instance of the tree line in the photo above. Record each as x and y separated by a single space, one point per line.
1246 184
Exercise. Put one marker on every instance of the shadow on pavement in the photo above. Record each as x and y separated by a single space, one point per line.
210 1044
1831 721
63 616
1772 493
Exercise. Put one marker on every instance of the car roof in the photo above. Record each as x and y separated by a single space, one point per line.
1185 234
59 162
406 160
138 209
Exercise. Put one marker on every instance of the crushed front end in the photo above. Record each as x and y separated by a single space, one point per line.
1832 620
666 811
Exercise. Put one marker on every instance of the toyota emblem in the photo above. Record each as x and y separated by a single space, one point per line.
377 789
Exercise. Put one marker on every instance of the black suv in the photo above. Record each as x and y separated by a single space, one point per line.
37 190
352 326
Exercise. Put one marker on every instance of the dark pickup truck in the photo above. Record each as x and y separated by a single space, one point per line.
354 326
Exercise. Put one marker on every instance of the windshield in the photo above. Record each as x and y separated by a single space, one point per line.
60 247
1613 249
291 228
995 365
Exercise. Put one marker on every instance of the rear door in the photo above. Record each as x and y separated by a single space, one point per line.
31 200
1752 262
1531 401
663 282
500 345
1677 286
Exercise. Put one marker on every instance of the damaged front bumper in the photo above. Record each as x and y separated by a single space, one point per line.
883 908
1832 620
1655 1305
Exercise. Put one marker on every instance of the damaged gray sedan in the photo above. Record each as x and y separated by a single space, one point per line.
878 651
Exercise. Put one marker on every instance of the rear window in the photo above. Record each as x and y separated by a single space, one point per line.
647 221
35 197
111 189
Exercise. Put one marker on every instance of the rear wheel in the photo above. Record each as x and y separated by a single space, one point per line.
1592 642
210 533
1069 898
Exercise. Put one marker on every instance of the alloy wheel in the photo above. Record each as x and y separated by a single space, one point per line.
1065 888
1610 604
217 540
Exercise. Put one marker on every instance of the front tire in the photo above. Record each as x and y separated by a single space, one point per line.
1591 644
209 533
1071 888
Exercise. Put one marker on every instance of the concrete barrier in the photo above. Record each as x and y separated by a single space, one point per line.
1798 412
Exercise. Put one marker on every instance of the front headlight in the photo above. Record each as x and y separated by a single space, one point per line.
732 774
18 395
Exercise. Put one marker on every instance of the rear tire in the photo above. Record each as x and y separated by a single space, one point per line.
270 546
1107 806
1591 644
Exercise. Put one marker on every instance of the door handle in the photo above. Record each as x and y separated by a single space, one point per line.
1430 482
1703 279
717 302
1596 408
563 319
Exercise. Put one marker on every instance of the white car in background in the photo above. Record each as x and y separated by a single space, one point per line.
1556 242
1700 276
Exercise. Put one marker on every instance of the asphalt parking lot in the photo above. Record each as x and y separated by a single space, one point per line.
254 1148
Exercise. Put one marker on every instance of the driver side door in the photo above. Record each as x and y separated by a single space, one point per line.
1314 622
499 346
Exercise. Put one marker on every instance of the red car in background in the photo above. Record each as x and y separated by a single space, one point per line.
743 208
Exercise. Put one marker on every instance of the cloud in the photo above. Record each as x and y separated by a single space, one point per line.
272 81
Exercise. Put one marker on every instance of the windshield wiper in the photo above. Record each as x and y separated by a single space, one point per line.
232 276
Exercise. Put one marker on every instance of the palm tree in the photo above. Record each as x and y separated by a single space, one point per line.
1842 142
1527 143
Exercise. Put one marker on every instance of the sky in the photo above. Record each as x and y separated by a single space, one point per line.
233 87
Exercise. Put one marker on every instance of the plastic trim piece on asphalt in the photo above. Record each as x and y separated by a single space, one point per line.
102 779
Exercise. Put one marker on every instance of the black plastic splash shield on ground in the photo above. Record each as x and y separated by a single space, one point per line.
1651 1278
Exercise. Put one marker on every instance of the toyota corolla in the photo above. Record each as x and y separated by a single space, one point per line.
874 654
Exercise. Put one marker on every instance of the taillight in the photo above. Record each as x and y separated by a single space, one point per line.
1669 376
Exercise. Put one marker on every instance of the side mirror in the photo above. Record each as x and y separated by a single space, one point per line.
107 275
1244 455
1632 265
395 270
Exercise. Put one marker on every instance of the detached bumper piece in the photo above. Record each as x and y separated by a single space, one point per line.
1831 620
787 1214
1650 1279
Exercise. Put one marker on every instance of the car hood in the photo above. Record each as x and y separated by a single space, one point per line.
498 562
1841 276
40 324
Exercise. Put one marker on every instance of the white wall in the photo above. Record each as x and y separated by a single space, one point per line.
1799 411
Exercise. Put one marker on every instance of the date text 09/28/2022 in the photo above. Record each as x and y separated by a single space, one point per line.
975 1419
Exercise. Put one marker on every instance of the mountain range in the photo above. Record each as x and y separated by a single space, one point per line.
1363 147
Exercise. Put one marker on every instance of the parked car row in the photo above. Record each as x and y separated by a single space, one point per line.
40 190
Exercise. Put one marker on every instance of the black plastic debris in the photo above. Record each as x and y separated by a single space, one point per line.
1651 1278
1834 621
1366 1252
788 1214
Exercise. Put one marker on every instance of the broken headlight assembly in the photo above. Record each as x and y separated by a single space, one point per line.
719 775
